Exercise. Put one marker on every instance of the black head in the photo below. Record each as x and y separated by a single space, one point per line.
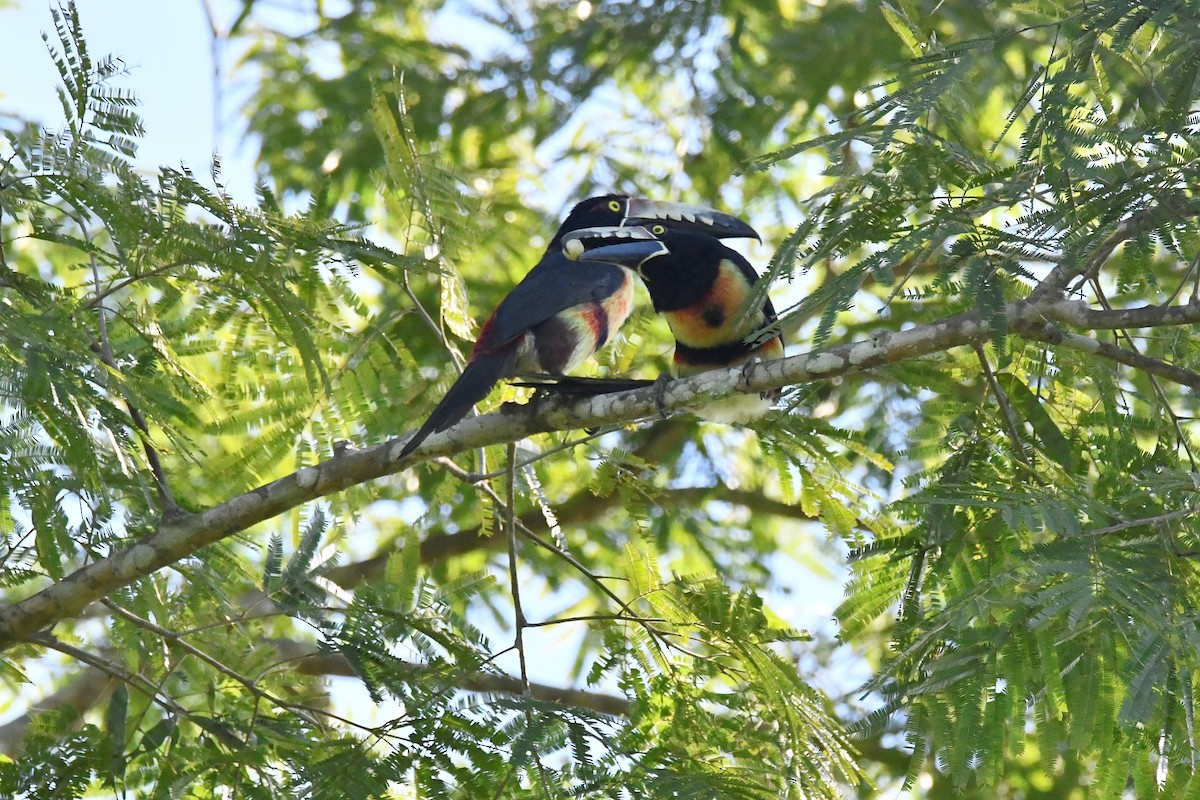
608 210
619 210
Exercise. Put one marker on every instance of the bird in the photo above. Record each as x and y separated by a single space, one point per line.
704 290
564 310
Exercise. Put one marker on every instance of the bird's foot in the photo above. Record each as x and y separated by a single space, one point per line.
748 370
660 394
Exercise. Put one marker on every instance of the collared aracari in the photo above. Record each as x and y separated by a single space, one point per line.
564 310
704 290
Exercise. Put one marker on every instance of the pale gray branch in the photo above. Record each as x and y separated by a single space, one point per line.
1083 316
1152 366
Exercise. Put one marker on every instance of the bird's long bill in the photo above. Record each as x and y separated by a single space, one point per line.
576 243
685 217
628 254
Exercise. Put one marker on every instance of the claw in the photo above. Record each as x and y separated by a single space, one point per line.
748 370
660 394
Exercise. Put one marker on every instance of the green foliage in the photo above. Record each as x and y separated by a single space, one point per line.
57 762
1041 602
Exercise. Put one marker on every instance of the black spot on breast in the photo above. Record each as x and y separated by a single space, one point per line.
713 316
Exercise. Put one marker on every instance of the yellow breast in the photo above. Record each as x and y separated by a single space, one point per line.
715 319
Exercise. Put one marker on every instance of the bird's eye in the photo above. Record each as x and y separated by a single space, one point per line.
657 229
614 205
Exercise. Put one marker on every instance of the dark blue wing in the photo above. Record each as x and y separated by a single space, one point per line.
555 284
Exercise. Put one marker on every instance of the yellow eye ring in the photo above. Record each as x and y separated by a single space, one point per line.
657 229
614 205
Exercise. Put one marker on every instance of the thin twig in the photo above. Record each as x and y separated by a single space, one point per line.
216 36
1137 523
567 445
3 260
1158 390
435 234
130 679
441 335
1006 410
170 507
173 639
102 295
1187 278
593 618
510 523
657 635
1136 224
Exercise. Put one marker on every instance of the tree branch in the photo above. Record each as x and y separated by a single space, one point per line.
175 538
313 661
1052 334
90 685
1082 316
81 693
1056 282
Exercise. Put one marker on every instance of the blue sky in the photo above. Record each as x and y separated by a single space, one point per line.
167 48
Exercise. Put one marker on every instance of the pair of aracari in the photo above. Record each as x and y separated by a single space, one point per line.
574 300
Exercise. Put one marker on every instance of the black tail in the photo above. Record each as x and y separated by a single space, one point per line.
473 385
580 387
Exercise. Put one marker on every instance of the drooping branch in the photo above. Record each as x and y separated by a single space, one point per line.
579 510
89 686
1051 334
176 538
315 662
81 693
1082 316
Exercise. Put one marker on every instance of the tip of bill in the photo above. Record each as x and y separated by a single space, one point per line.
573 249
